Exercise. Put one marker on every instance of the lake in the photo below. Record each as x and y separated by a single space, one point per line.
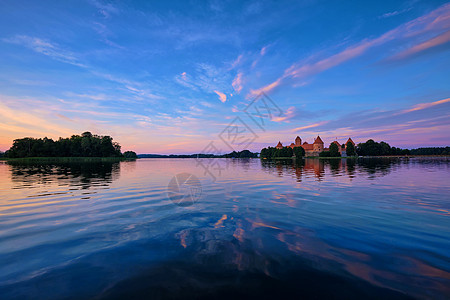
180 228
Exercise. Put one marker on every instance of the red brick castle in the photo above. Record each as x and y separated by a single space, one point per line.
318 146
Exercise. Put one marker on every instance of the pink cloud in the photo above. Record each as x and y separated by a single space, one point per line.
289 114
237 83
433 42
222 96
426 105
310 126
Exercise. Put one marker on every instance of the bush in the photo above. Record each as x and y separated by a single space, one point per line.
334 150
130 154
350 149
299 152
325 154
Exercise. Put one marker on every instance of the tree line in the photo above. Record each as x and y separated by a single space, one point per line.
272 152
234 154
431 151
84 145
372 148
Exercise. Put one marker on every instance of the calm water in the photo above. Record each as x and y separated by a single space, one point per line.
336 229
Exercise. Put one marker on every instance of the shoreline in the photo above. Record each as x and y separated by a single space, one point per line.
65 159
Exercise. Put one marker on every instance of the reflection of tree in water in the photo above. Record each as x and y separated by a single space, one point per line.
373 167
83 175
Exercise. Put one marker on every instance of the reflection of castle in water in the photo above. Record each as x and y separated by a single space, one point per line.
83 175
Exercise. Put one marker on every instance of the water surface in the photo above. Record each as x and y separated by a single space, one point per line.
372 228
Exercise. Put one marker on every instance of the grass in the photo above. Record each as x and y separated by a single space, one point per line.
65 159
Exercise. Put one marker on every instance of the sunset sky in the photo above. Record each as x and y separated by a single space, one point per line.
168 78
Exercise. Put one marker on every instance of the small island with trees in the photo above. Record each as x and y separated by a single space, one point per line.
349 149
84 146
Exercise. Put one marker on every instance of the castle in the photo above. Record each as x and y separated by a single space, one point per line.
318 146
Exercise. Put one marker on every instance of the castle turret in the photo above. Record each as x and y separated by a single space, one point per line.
298 141
318 144
279 145
351 141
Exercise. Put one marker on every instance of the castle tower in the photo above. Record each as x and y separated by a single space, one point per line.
298 141
349 140
318 145
279 145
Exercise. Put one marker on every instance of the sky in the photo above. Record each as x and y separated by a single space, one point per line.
171 76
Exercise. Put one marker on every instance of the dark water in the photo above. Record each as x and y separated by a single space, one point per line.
342 229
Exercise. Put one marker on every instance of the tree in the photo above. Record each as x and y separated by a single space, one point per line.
85 145
299 152
334 150
350 149
130 155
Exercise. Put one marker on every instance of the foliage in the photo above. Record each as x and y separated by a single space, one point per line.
299 152
334 150
86 145
325 154
130 154
275 153
372 148
351 151
241 154
431 151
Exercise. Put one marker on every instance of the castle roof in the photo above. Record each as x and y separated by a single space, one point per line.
308 146
336 142
298 138
305 143
350 140
279 144
318 140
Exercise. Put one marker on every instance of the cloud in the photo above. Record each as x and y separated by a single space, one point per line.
46 48
431 43
237 83
310 126
394 13
263 50
426 105
237 61
289 114
222 96
105 9
434 22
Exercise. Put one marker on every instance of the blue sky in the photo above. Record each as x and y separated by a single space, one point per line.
169 76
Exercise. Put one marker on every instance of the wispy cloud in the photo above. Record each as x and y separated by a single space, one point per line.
105 9
310 126
435 21
237 82
45 47
394 13
431 43
426 105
